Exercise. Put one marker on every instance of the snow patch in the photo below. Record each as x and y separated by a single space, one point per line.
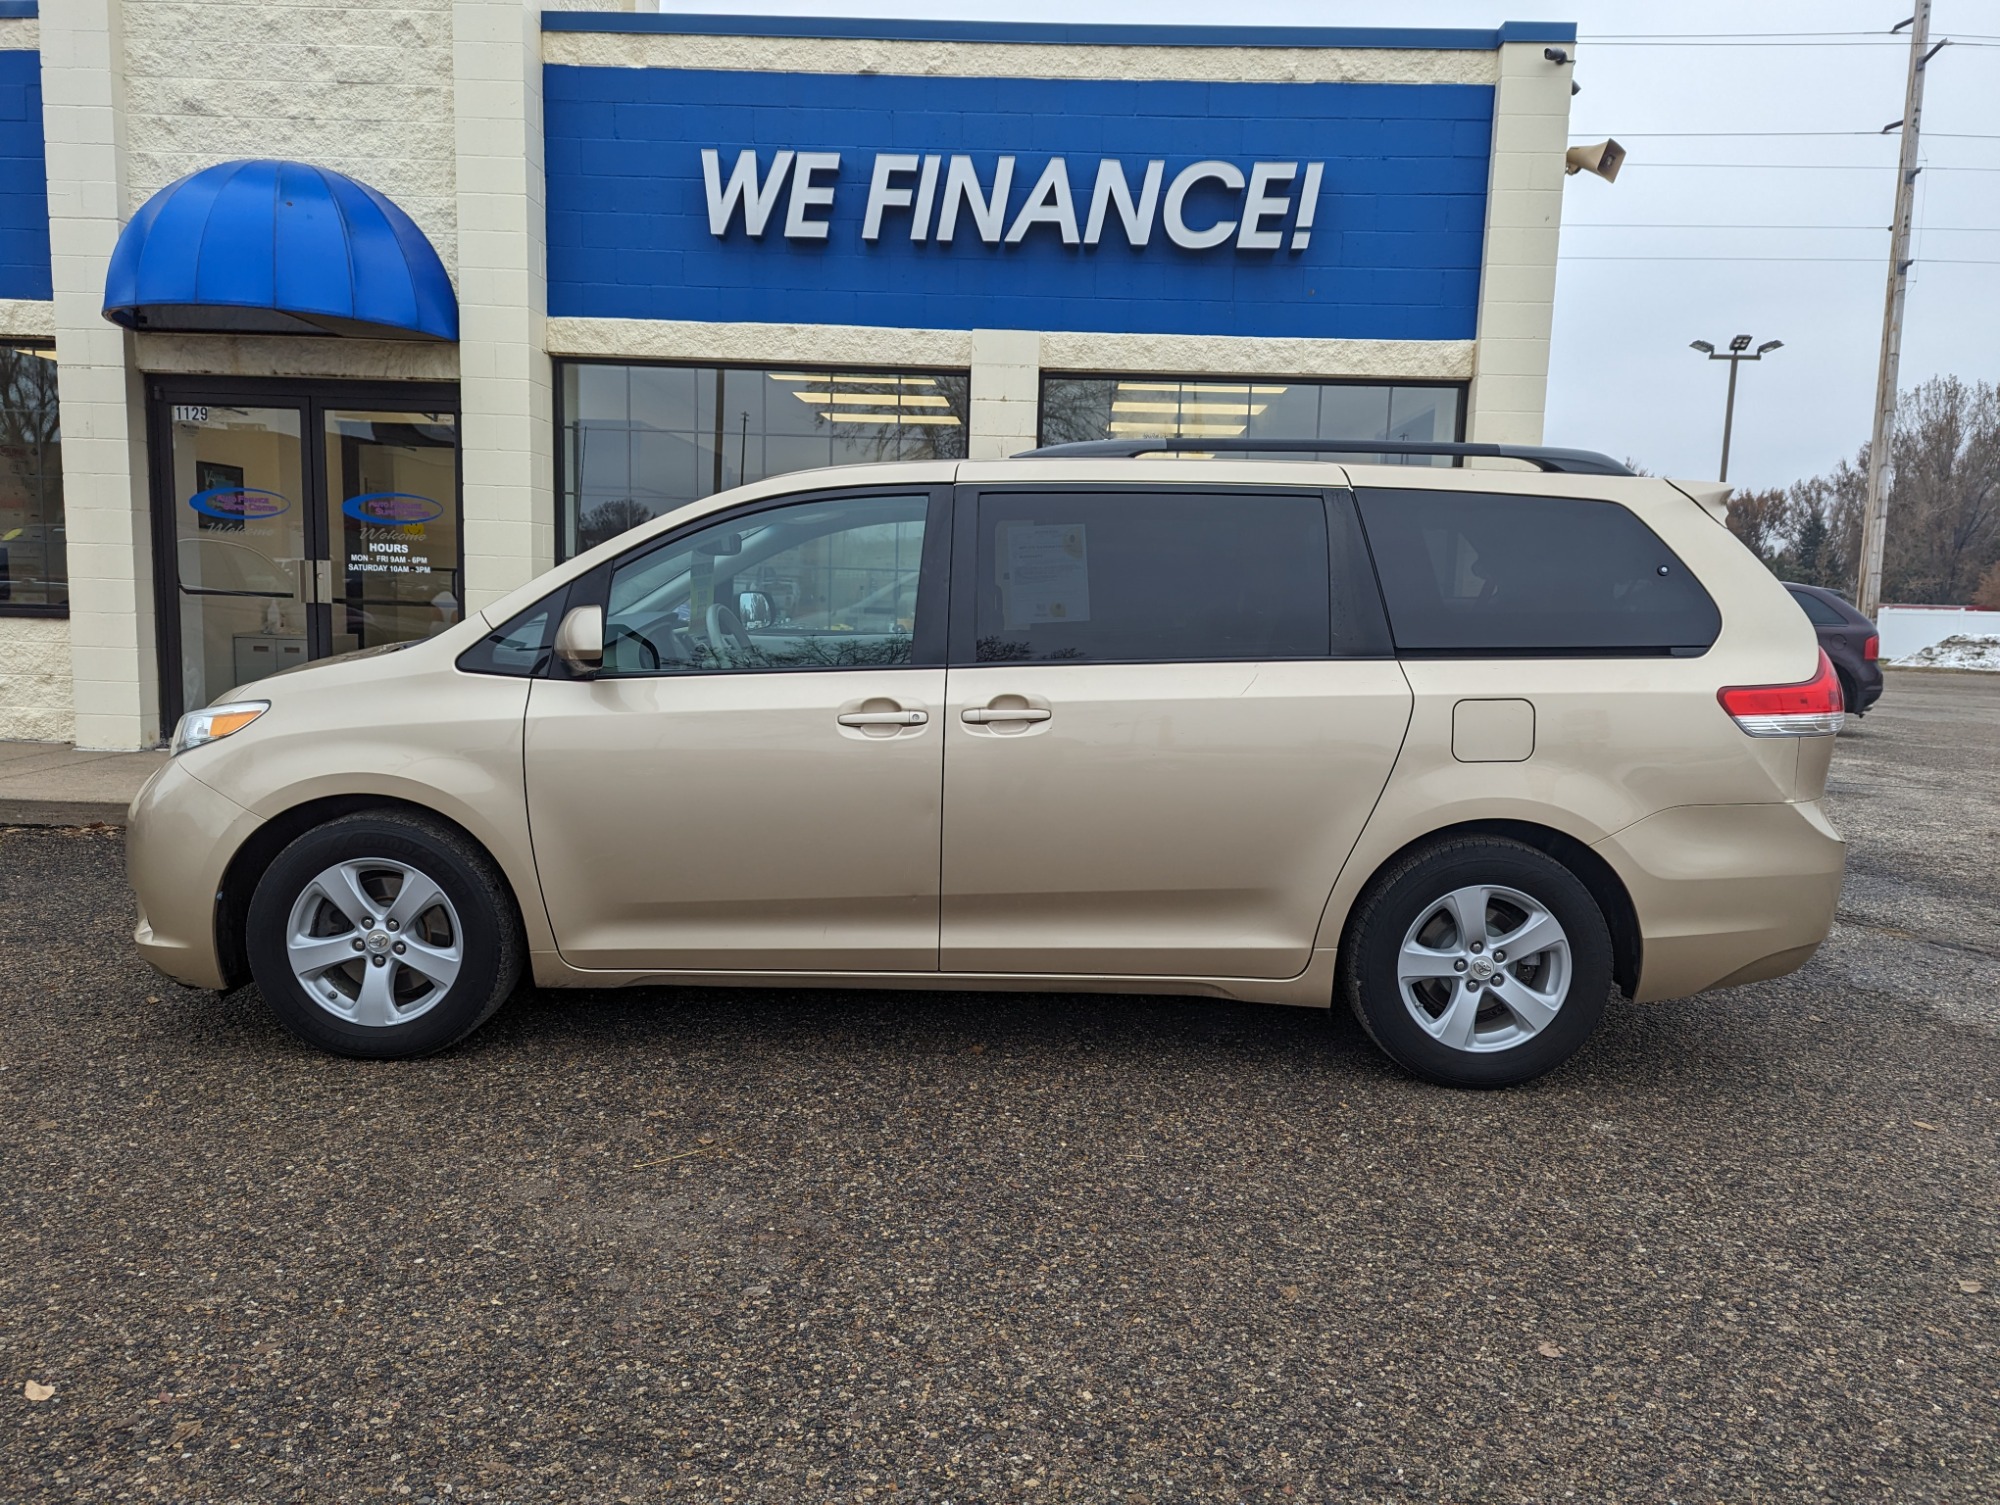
1964 651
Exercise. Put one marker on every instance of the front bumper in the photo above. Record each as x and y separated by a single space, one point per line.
178 841
1727 894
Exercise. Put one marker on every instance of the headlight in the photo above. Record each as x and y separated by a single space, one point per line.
215 722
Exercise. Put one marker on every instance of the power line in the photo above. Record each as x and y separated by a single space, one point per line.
1869 135
1606 224
1629 164
1671 36
1873 261
1693 41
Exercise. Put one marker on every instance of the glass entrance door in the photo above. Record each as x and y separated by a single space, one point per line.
243 571
392 518
303 523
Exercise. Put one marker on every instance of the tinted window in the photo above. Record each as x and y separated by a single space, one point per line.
519 646
815 585
1125 577
1472 572
1822 612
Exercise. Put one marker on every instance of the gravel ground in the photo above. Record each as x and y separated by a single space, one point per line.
816 1246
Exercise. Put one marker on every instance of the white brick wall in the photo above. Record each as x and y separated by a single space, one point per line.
113 680
1517 289
504 377
35 704
361 86
1006 392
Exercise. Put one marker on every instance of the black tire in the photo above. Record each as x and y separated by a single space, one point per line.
1850 697
1403 894
488 933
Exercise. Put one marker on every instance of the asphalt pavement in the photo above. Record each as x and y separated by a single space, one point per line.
820 1246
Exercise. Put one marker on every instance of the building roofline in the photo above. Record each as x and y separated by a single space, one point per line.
883 29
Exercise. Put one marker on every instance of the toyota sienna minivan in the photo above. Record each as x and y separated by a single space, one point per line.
1467 750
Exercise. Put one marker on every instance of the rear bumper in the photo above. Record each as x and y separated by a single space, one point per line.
1727 894
178 842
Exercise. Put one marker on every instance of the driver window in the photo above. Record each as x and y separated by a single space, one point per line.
814 585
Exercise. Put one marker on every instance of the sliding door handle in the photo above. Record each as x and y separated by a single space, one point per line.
989 714
885 718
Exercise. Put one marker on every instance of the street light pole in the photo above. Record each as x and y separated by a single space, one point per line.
1739 351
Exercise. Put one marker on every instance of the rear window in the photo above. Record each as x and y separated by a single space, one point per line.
1822 612
1480 573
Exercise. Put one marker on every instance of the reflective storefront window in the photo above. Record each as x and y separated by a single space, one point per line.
638 441
1166 407
34 566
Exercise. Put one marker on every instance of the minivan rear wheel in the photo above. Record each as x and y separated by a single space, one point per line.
1478 962
383 935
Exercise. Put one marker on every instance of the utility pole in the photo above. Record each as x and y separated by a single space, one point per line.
1868 588
1738 352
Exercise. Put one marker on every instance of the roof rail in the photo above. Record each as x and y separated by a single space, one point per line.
1571 462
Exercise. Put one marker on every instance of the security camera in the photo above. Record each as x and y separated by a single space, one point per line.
1555 54
1603 159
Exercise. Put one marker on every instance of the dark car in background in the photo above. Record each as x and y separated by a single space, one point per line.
1849 639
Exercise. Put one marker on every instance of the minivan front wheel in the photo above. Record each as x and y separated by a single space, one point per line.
1479 962
383 935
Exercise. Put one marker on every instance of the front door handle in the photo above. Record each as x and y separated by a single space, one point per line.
885 718
988 714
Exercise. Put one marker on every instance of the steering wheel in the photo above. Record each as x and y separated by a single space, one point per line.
724 630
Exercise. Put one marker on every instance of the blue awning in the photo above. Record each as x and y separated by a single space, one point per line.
278 248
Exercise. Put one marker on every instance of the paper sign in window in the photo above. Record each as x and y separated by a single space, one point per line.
1044 574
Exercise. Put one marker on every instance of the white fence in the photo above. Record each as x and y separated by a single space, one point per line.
1908 629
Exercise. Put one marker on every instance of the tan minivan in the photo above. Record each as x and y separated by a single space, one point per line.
1466 748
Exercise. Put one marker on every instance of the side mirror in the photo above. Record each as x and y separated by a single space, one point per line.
580 639
754 607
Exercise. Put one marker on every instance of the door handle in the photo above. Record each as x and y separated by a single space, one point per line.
885 718
988 714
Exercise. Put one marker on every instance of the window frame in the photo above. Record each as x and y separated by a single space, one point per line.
927 640
45 610
964 636
558 364
1462 388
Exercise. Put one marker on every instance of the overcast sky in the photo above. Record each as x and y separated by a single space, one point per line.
1623 379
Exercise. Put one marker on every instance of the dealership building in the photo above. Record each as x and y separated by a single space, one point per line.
324 324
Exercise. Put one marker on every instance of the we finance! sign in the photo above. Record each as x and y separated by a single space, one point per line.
933 195
1329 210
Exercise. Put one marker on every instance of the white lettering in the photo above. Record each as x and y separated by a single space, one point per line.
1111 189
920 217
1178 231
758 202
1259 204
1048 203
961 186
881 196
806 195
1308 203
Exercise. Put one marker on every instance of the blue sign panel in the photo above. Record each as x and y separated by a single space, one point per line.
1328 210
24 188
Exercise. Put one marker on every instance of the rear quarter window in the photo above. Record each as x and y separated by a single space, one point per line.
1821 612
1484 573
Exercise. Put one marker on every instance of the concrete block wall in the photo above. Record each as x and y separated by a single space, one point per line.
35 699
113 680
505 391
361 86
1517 291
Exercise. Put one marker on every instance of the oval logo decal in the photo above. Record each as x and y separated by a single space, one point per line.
394 509
238 503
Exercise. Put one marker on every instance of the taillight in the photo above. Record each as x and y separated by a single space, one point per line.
1872 649
1810 709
